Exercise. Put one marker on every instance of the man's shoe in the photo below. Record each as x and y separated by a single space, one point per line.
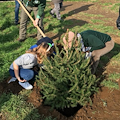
26 85
52 15
13 79
21 40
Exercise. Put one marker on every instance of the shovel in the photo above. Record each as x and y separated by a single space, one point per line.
31 18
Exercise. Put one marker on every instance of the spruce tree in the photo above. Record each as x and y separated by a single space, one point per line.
67 80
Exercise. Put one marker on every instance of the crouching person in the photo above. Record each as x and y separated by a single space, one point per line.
95 44
22 68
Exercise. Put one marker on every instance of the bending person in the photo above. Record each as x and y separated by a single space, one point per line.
22 68
44 39
94 43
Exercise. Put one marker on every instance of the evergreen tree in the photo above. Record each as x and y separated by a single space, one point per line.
67 80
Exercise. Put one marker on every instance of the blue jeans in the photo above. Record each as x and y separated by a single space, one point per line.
17 5
26 74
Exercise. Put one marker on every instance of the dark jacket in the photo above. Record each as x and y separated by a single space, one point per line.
94 39
41 4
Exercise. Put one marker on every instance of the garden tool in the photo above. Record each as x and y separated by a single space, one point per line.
31 18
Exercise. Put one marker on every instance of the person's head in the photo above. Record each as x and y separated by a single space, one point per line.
42 51
68 39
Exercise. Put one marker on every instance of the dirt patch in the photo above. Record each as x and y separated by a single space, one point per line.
106 103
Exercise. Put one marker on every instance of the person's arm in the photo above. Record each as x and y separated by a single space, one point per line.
16 71
35 23
41 8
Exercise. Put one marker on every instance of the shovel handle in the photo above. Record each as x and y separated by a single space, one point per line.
31 18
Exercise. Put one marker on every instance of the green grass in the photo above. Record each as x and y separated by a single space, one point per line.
98 21
15 107
114 76
83 0
115 60
90 15
111 6
10 49
110 84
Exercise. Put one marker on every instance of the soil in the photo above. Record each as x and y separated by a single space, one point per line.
106 103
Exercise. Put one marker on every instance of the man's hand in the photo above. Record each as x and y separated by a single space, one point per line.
35 23
22 80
